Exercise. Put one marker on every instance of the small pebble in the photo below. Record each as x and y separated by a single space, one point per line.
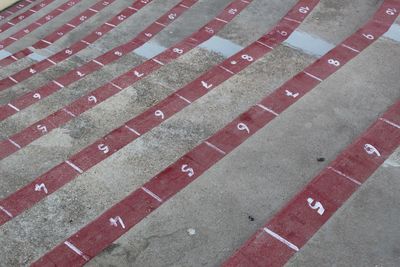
191 231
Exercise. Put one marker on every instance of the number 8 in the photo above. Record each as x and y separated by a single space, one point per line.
247 57
336 63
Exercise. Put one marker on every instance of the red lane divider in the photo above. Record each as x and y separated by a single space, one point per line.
38 23
25 197
24 16
75 48
44 126
96 236
14 9
92 239
307 212
57 34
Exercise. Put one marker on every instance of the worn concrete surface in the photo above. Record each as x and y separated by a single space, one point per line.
256 180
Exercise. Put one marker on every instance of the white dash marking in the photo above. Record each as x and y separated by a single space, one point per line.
12 79
344 175
59 84
98 62
72 26
85 42
11 23
161 24
14 143
51 61
183 98
13 107
76 168
261 43
182 5
215 147
390 123
31 10
158 61
110 24
351 48
6 211
267 109
13 38
151 194
69 112
76 250
227 70
132 130
313 76
94 10
47 42
59 9
130 7
116 86
224 21
294 20
14 57
284 241
37 23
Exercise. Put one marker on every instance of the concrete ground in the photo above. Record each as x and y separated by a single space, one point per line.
234 198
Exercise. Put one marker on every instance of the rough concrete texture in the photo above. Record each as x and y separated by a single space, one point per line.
255 180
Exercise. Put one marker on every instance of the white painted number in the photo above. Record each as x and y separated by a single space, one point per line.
37 96
104 148
334 62
248 58
243 127
391 11
232 11
178 51
92 98
317 206
206 85
291 94
209 30
138 74
114 222
40 187
42 128
369 36
160 114
172 16
186 169
371 150
304 9
283 33
80 74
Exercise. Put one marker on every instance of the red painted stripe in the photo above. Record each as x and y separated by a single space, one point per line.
38 23
24 16
13 9
112 142
57 34
99 234
75 48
